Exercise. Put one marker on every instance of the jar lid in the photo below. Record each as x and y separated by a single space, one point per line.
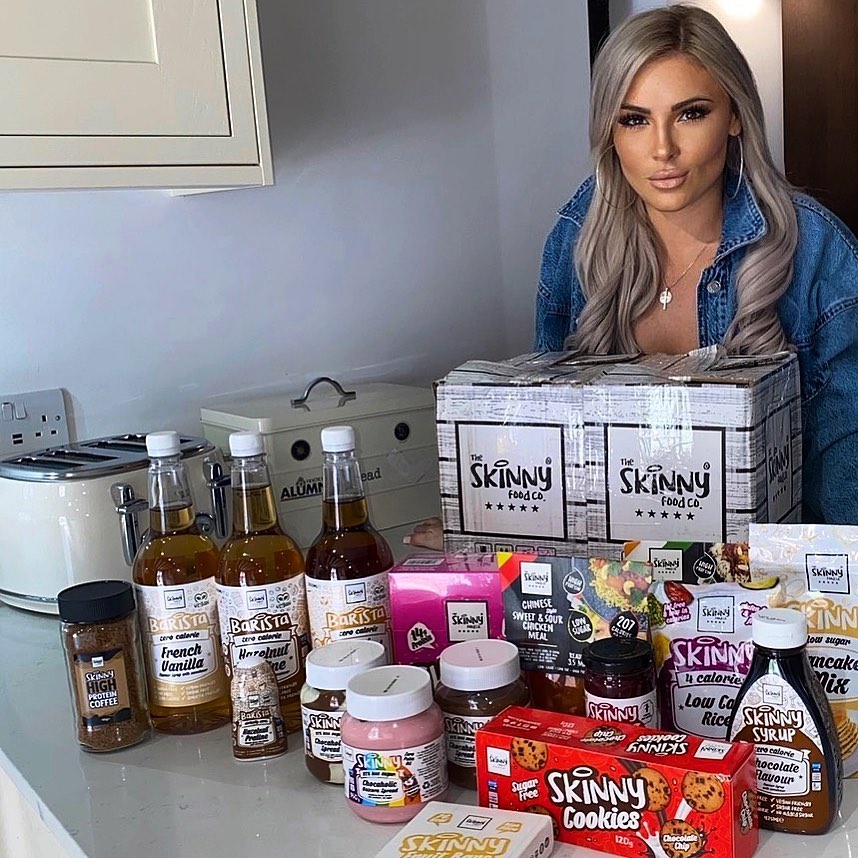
779 628
618 655
95 601
388 693
330 667
480 665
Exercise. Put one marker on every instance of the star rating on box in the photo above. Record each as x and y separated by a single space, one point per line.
652 514
511 507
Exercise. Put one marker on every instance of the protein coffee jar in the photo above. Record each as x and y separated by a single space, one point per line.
479 679
323 701
619 681
394 754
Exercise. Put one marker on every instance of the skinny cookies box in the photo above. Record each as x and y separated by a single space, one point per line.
620 788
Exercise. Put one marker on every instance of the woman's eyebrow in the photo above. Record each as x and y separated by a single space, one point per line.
678 106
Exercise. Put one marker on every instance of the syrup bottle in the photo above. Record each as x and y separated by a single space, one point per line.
782 709
174 579
347 564
260 580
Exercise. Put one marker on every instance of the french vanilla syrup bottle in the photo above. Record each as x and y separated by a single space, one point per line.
782 709
260 580
174 579
347 564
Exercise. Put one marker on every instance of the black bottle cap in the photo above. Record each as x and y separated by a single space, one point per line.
95 601
618 655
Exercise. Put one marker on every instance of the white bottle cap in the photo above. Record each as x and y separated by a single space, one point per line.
338 439
779 628
388 693
480 665
330 667
246 444
249 662
163 444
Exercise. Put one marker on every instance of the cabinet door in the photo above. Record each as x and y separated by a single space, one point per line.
125 83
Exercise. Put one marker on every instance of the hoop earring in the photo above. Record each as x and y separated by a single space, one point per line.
741 167
601 190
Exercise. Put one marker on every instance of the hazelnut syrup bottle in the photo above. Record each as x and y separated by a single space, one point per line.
174 581
347 564
260 580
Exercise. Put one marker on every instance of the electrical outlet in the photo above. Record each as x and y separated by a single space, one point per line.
32 421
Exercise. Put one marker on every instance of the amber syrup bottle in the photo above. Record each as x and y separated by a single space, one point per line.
174 579
347 564
260 580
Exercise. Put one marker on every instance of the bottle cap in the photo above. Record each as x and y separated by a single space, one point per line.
618 655
338 439
330 667
163 444
95 601
388 693
480 665
779 628
246 444
250 662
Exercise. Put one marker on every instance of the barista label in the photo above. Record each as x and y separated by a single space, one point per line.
520 491
647 497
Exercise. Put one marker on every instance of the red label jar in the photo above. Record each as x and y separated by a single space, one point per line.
394 755
619 681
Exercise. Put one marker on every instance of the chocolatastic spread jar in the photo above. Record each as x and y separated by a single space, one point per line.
619 681
479 679
323 701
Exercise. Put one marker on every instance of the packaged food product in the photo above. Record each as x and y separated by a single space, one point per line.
437 600
693 562
620 788
619 682
818 568
456 831
701 636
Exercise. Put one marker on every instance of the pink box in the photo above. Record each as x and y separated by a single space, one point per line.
440 599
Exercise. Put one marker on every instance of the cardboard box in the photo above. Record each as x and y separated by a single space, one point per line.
437 600
694 450
619 788
457 831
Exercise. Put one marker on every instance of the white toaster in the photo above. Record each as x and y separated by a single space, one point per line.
58 517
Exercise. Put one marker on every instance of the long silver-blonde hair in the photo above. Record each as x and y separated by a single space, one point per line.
619 258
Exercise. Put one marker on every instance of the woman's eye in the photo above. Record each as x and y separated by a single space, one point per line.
631 120
690 114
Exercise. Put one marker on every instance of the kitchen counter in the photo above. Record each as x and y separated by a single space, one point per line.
186 796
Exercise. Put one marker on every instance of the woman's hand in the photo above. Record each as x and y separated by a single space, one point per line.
427 534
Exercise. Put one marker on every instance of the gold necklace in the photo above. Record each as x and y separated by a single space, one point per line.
666 295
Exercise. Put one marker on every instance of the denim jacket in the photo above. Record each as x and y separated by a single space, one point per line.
819 313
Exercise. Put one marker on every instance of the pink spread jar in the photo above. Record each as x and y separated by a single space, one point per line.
394 752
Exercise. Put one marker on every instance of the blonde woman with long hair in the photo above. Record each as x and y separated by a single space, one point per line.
687 235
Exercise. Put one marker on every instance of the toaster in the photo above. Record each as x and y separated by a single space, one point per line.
58 513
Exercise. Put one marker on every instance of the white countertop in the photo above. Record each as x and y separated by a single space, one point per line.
186 796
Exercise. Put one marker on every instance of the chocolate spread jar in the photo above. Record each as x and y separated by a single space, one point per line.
323 701
479 679
619 681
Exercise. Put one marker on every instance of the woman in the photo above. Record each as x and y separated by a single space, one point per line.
687 235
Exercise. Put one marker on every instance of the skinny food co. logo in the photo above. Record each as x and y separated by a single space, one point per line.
511 480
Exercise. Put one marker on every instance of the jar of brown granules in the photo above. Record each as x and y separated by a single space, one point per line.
102 647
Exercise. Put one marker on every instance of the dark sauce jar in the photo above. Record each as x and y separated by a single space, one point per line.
619 681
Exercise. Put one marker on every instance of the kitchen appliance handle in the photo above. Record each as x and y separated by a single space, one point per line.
217 483
345 395
127 508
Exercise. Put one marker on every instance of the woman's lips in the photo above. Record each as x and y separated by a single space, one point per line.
667 183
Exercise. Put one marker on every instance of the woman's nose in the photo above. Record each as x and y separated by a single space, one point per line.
664 144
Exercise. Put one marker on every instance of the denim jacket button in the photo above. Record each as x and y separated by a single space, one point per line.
714 287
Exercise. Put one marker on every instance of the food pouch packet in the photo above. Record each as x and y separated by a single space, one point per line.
818 569
701 638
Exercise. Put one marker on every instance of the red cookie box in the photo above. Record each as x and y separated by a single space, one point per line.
621 788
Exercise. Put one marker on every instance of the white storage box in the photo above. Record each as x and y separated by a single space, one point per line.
395 429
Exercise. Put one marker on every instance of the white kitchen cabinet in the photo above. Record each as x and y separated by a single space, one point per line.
132 93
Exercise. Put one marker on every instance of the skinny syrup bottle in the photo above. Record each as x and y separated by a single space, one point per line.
260 580
347 564
174 580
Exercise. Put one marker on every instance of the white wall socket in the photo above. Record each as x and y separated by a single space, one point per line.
32 421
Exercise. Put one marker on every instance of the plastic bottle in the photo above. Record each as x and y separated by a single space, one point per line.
174 580
260 580
347 564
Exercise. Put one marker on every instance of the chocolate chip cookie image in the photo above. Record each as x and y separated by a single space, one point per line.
704 793
680 840
531 756
658 791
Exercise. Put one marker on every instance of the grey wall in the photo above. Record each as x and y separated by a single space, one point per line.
421 149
